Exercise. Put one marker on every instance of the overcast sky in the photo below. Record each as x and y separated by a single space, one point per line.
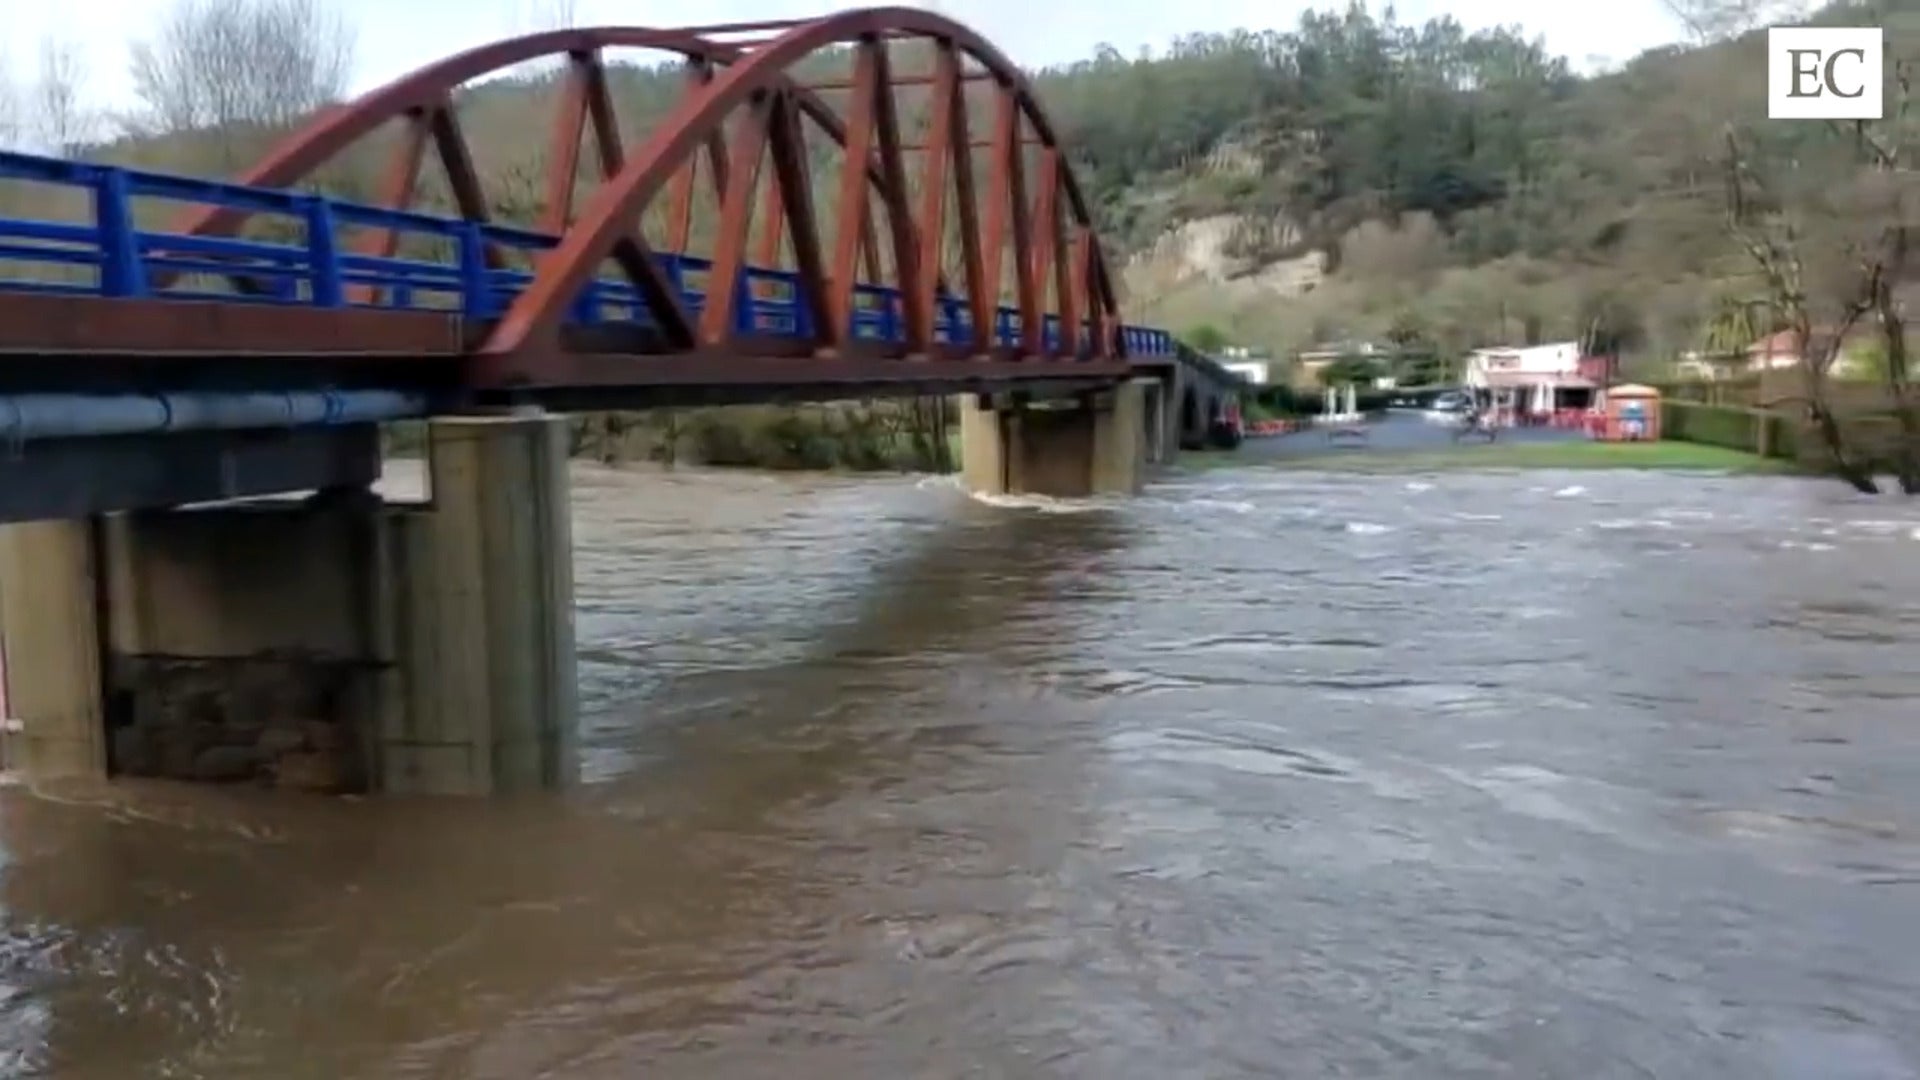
396 35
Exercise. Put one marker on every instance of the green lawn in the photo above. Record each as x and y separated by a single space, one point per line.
1581 454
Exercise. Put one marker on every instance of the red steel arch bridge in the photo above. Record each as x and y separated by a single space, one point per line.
868 204
769 237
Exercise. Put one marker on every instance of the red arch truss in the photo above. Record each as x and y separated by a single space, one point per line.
908 216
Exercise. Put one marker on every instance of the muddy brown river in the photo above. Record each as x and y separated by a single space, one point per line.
1267 773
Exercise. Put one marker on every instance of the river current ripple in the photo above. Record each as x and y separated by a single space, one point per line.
1266 773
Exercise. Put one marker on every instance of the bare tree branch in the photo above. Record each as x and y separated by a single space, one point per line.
533 16
12 112
1710 21
62 120
1771 239
238 67
1852 214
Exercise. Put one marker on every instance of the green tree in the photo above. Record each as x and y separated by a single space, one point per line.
1206 338
1735 323
1351 369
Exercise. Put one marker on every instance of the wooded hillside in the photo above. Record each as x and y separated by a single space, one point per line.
1387 181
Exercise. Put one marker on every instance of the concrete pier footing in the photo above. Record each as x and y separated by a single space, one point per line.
332 644
1096 444
483 617
1161 426
49 620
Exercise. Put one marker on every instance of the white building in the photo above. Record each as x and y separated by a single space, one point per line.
1254 371
1244 362
1534 379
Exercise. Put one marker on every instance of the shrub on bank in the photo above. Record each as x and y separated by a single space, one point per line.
1752 431
886 436
1710 425
1868 416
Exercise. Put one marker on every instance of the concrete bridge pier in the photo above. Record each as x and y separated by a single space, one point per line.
1095 444
334 643
1160 448
49 630
481 595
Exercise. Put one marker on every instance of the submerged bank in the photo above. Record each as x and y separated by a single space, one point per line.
1550 455
1402 443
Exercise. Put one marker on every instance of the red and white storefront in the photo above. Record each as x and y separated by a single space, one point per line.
1538 384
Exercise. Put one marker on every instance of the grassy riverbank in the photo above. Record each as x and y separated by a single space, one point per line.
1580 454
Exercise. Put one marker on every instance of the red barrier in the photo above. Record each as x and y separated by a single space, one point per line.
1272 427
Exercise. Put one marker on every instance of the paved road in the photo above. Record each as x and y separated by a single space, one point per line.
1396 433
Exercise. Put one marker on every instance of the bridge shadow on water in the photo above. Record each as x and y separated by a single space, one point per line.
982 593
222 932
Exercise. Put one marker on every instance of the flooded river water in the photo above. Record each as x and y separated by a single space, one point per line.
1267 773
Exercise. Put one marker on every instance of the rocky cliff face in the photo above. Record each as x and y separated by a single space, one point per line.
1249 254
1221 254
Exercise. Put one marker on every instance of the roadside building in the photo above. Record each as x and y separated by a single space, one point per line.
1251 365
1536 383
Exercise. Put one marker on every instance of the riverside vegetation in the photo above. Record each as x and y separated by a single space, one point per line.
918 435
1353 178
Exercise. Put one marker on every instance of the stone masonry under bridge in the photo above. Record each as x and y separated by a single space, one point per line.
334 643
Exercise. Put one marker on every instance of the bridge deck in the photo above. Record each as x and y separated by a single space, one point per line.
296 302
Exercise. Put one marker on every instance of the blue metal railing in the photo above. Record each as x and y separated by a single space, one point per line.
114 257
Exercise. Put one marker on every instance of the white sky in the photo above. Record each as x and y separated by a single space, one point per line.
396 35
